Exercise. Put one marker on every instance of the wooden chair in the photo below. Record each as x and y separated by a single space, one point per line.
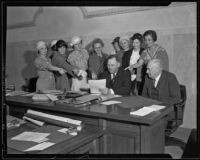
176 121
30 85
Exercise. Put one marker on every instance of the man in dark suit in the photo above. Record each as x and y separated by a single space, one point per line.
118 81
160 84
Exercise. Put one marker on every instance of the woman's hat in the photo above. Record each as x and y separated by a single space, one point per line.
116 39
40 44
124 38
137 36
75 40
60 43
53 43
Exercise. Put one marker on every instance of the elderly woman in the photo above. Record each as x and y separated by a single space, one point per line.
152 51
97 59
46 80
131 59
79 58
118 49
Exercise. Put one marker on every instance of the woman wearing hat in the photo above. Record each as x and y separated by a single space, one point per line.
152 51
97 59
118 49
59 59
46 80
79 58
132 58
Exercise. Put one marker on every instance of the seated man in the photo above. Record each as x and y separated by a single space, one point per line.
118 81
160 84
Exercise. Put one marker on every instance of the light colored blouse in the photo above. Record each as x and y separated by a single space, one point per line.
134 57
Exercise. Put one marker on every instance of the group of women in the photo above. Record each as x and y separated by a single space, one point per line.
67 66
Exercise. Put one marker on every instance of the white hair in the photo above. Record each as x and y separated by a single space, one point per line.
158 63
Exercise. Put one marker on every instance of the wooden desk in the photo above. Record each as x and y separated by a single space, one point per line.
85 142
124 133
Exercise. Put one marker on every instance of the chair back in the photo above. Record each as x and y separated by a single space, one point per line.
179 108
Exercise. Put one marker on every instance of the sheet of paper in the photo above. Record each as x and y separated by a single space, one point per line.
29 94
95 85
40 146
142 111
52 97
156 107
31 136
110 102
107 97
63 130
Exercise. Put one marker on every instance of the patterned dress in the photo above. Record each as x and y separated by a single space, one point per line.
46 80
79 59
158 53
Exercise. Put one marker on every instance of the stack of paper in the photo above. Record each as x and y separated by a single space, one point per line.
40 146
16 93
146 110
95 85
110 102
31 136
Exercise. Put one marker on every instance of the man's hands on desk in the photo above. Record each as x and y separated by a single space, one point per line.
106 91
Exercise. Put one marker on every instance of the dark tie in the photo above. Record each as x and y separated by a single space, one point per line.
112 79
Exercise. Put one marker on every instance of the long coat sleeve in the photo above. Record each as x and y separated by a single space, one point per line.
60 62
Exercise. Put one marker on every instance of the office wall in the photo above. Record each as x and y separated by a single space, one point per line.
176 28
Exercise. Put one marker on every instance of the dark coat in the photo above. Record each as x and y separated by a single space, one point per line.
140 71
62 81
168 88
121 84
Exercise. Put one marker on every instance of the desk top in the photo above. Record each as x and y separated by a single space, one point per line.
119 112
69 144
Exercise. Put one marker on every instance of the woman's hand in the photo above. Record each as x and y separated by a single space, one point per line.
130 68
61 71
104 91
94 76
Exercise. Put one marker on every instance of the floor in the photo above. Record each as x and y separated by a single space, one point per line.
174 151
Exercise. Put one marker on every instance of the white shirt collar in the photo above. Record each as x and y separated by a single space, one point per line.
157 79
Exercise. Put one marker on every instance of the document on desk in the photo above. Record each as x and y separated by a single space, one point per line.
40 146
110 102
142 111
156 107
95 85
32 136
52 97
146 110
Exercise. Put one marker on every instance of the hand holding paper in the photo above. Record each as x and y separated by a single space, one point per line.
95 85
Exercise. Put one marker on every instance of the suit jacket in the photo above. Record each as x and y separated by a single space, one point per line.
121 84
168 88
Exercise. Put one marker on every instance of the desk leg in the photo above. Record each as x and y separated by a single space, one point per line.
153 138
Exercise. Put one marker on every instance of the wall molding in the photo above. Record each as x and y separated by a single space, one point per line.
30 23
121 10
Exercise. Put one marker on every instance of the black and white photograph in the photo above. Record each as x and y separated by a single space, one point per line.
85 80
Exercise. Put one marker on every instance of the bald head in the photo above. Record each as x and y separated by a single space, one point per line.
154 68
